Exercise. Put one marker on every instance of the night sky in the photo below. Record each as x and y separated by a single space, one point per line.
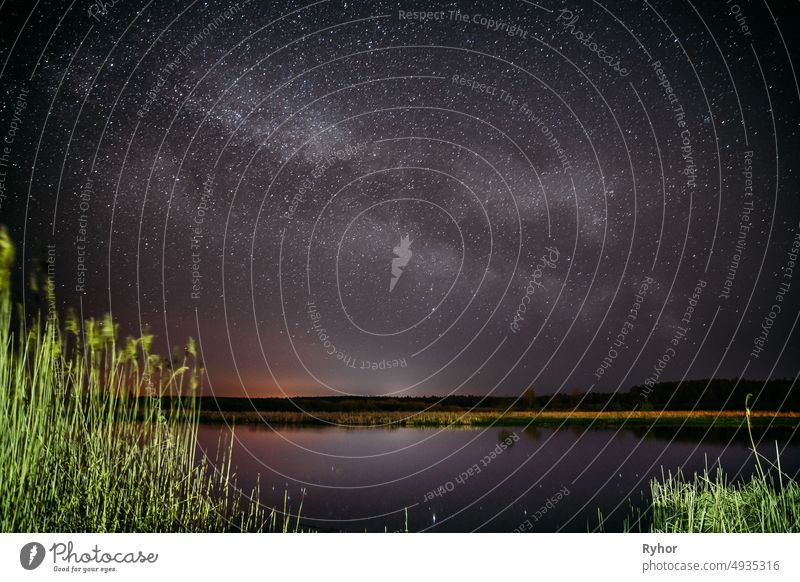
583 196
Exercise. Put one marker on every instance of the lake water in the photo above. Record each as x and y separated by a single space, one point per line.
484 479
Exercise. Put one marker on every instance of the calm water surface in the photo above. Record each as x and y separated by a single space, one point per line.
362 479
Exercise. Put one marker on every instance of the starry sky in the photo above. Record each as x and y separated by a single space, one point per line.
594 195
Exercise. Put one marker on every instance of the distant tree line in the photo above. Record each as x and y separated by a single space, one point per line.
716 394
722 394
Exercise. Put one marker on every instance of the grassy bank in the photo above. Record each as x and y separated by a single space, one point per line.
708 503
485 418
78 452
768 501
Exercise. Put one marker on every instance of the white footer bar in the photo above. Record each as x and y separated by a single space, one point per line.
390 557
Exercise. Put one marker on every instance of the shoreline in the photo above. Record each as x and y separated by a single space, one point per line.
394 419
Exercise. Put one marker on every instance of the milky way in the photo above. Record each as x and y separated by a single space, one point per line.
585 196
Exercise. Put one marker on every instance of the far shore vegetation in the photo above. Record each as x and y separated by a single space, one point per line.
396 419
713 402
463 411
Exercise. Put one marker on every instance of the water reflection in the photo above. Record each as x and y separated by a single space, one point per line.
487 479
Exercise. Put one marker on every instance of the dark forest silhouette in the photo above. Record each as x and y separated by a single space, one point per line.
718 394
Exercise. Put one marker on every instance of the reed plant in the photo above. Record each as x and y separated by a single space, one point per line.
709 503
769 501
86 443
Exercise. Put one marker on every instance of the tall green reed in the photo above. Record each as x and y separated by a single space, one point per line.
768 502
86 443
